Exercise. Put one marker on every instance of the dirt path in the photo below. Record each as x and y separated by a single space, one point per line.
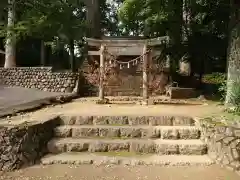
91 108
85 172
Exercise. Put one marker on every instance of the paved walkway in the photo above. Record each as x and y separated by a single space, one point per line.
90 172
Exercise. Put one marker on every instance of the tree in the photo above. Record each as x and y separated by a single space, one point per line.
10 52
51 21
233 80
93 17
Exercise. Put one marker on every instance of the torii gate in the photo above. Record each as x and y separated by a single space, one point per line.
127 47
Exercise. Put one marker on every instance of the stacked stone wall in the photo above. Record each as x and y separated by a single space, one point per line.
24 144
42 78
223 142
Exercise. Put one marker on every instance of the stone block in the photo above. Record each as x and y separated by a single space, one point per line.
220 129
100 120
229 131
98 146
235 165
235 154
78 132
77 147
169 134
217 137
227 141
142 146
138 120
109 132
56 147
237 132
150 132
118 120
131 132
166 149
68 120
84 120
183 121
192 149
114 146
160 120
189 133
63 131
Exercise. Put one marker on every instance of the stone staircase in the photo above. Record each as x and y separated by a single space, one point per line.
128 140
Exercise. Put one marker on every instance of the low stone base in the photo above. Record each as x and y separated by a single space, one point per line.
146 102
159 160
161 147
181 93
24 144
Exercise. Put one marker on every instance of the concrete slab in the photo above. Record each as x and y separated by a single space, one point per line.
17 98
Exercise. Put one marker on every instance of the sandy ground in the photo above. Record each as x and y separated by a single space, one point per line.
91 108
89 172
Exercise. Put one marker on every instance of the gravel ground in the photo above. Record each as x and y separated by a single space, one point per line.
90 172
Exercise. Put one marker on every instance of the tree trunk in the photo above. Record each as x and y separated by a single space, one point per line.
10 57
43 62
233 80
72 57
177 26
187 15
93 18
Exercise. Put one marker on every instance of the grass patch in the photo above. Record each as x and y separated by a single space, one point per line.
222 119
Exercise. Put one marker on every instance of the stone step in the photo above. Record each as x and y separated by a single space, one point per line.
160 160
158 146
127 120
164 132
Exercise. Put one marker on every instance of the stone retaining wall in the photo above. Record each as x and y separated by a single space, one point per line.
42 78
223 142
24 144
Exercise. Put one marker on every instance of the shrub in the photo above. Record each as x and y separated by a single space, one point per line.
214 78
215 84
235 94
223 90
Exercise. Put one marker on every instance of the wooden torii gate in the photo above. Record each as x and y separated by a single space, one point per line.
128 48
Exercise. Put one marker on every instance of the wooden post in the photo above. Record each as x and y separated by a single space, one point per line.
145 73
102 69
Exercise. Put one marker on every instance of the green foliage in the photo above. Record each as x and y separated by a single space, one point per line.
147 17
215 84
49 18
223 90
235 94
214 78
206 28
55 23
